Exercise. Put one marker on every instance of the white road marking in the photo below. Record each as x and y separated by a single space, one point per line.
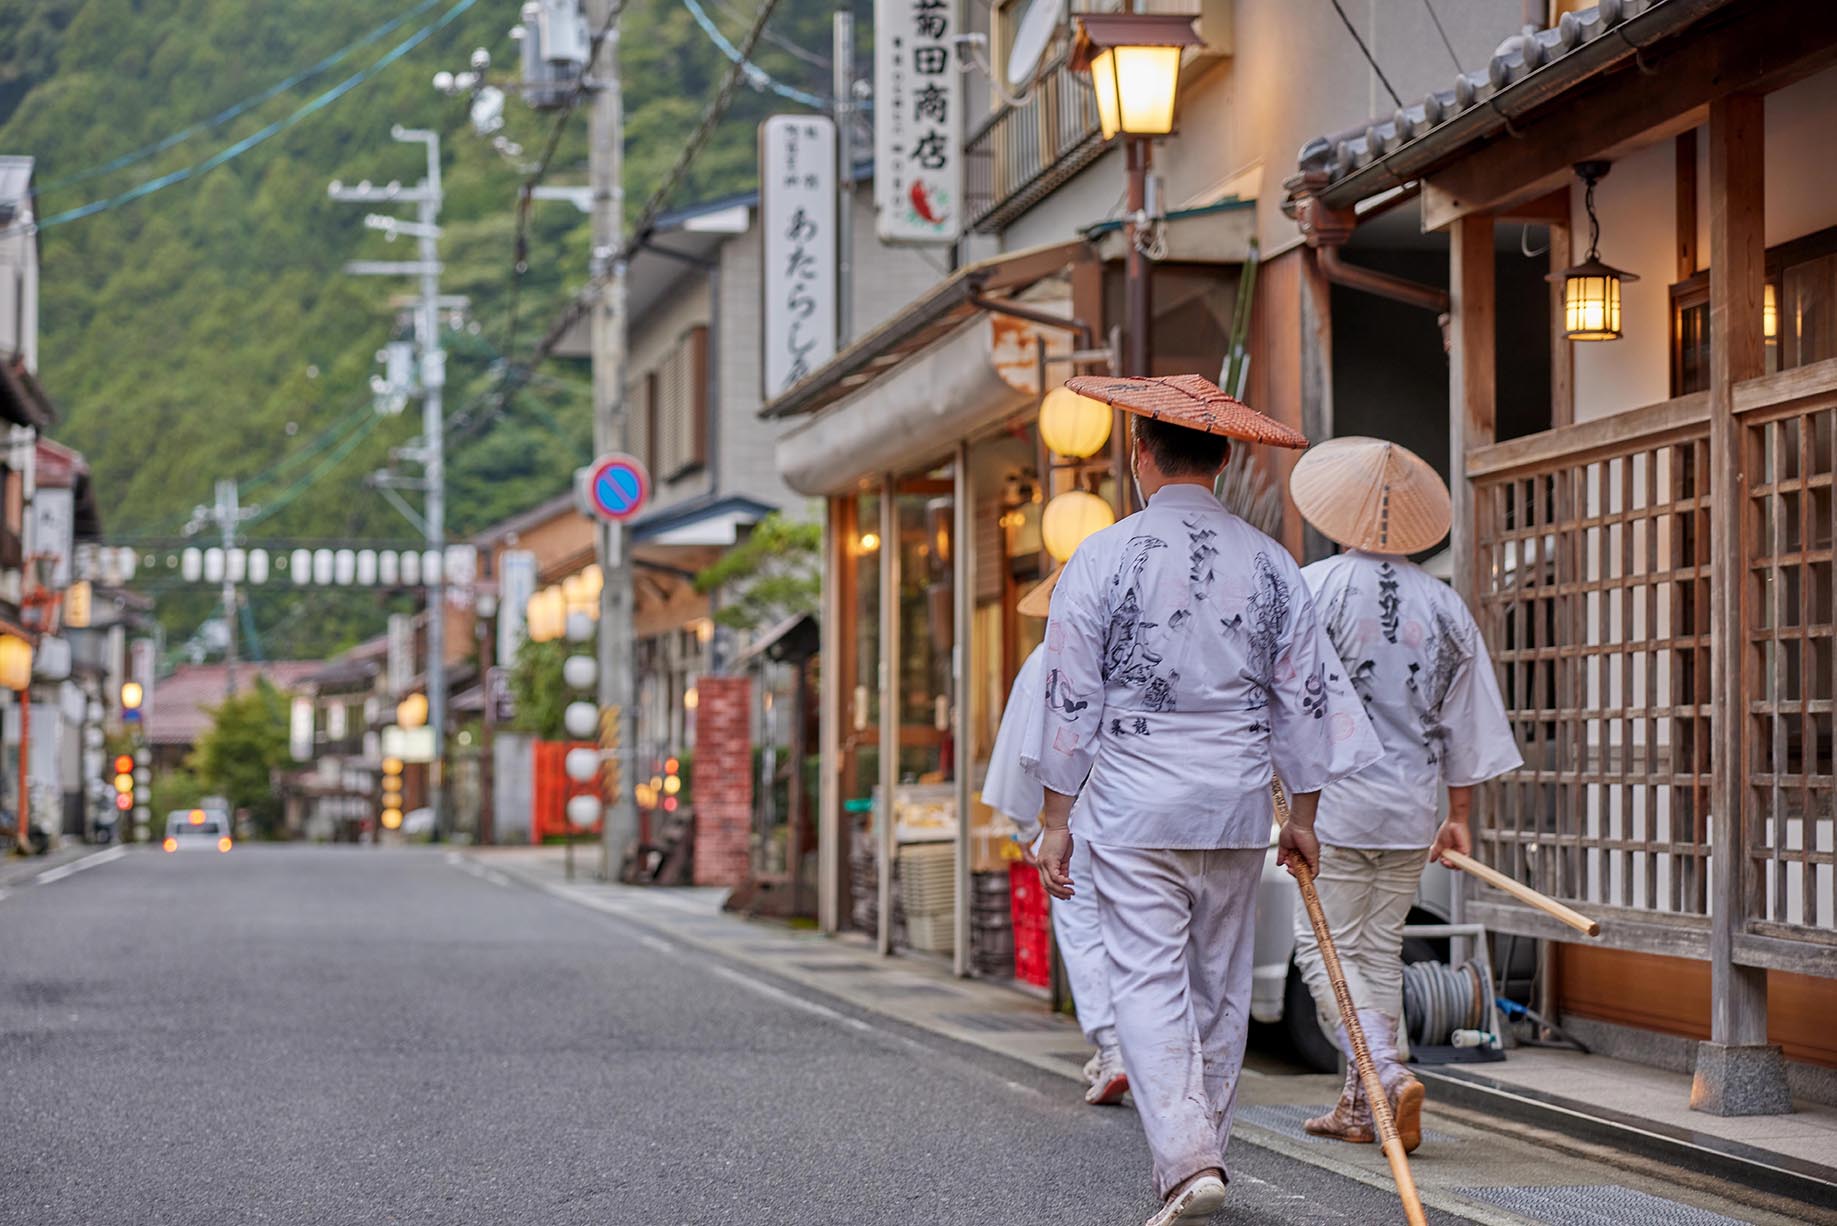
76 866
657 944
785 998
495 877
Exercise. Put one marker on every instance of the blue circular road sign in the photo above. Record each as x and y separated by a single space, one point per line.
617 487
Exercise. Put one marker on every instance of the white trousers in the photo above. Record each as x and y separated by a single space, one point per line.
1366 896
1179 928
1080 936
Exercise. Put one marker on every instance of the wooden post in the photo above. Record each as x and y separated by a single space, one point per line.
1562 349
831 831
1736 1073
1685 147
1316 370
1472 399
889 703
1472 411
963 610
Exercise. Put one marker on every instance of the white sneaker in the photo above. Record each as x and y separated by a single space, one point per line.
1110 1082
1194 1201
1092 1065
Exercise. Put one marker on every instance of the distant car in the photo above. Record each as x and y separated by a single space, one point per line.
197 830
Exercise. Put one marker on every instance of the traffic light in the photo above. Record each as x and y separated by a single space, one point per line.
124 782
391 816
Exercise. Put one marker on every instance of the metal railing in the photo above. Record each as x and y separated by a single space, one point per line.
1022 153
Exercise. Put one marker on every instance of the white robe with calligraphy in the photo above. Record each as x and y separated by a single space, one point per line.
1416 660
1184 660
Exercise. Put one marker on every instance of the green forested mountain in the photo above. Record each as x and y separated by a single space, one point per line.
206 330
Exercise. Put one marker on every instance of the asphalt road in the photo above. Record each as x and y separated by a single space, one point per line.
338 1035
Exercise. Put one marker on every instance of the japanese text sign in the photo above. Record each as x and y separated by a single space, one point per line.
918 122
797 217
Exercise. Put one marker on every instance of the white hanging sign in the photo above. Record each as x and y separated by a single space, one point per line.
797 216
918 122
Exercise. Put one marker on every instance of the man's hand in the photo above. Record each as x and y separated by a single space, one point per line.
1055 861
1296 844
1453 836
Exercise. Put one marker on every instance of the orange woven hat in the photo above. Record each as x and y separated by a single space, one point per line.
1038 600
1193 401
1369 494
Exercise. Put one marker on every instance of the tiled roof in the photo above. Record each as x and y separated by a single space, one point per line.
183 702
1482 103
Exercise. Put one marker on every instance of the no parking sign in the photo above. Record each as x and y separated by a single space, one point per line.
614 487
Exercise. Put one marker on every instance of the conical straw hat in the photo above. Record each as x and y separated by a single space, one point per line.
1193 401
1368 494
1038 600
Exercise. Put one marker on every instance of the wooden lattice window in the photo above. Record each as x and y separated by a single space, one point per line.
1593 592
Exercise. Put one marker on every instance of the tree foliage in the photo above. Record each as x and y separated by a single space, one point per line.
246 744
775 573
537 688
208 330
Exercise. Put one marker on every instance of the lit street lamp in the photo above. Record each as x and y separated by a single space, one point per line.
1134 62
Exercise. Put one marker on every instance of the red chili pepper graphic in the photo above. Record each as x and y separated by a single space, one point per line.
921 204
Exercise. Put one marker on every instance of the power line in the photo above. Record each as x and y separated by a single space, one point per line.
758 77
717 107
779 40
1438 29
243 107
1366 51
281 500
230 153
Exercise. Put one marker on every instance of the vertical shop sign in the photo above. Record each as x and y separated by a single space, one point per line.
918 122
797 177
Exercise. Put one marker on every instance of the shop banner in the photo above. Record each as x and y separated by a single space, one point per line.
918 122
797 216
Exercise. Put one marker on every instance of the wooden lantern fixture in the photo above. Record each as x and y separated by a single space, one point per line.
1134 62
1591 289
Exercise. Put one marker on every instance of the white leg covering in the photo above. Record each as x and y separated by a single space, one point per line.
1178 927
1366 896
1080 937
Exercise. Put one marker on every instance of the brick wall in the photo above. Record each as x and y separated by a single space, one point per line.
723 781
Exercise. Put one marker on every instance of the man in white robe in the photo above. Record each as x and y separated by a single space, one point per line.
1010 790
1184 663
1418 664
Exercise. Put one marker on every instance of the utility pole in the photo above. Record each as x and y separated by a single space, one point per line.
607 340
425 229
842 61
227 516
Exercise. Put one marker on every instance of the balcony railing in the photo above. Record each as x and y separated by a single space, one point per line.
1024 152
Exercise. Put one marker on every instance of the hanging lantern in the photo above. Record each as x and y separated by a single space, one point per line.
1074 426
1591 289
16 663
1770 315
1134 62
1069 518
411 712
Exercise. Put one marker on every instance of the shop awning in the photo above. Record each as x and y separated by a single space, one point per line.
912 415
925 321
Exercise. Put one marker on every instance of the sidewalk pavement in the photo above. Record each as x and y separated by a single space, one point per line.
1476 1161
17 871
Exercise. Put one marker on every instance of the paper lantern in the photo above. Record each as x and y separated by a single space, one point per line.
411 712
583 810
1072 425
581 719
580 672
1069 518
582 764
16 666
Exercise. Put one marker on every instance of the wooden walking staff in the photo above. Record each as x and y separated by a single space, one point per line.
1388 1139
1524 893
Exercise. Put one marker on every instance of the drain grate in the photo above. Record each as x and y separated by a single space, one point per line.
1287 1119
1599 1205
1000 1022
